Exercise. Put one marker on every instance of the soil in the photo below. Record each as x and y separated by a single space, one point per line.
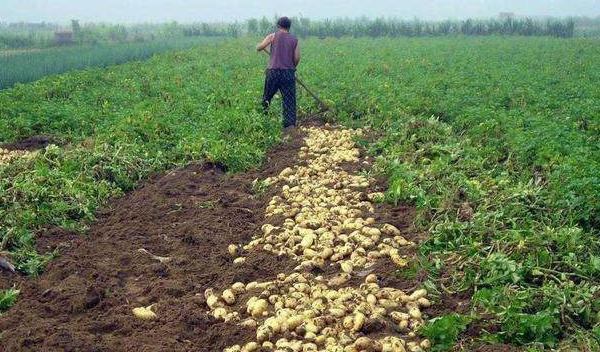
84 299
30 143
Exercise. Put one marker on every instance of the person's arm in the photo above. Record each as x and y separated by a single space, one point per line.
297 55
265 43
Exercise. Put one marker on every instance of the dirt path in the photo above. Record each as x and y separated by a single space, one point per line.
193 215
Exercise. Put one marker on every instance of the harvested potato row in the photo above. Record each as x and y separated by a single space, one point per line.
327 221
300 311
326 213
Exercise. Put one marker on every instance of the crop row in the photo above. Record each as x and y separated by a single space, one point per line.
30 65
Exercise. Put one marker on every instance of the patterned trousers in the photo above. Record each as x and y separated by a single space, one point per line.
285 82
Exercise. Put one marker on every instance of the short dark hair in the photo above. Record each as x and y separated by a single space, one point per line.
284 22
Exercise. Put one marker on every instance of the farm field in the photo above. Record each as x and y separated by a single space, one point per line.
487 148
27 65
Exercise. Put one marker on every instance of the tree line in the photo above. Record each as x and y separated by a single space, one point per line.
30 35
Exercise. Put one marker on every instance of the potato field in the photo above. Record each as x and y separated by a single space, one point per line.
449 200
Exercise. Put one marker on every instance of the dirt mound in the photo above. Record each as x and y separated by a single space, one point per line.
31 143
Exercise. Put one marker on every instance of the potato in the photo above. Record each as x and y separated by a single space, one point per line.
399 261
391 230
239 260
258 308
286 172
232 249
219 313
371 299
347 267
228 296
238 287
371 278
326 253
399 316
424 302
326 222
307 240
249 323
267 229
415 312
348 322
358 322
307 347
144 313
250 347
418 294
212 301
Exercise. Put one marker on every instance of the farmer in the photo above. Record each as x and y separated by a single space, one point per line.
281 73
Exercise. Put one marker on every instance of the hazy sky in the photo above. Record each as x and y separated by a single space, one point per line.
227 10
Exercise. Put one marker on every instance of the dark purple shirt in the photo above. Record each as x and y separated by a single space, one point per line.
282 51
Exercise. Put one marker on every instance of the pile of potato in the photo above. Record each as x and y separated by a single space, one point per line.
6 156
323 218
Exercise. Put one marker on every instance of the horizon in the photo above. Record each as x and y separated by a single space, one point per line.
227 11
274 18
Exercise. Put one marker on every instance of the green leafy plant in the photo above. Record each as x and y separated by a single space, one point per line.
8 298
259 186
443 331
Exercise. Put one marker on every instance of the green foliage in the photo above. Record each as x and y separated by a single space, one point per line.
443 331
27 66
542 327
259 187
122 124
8 298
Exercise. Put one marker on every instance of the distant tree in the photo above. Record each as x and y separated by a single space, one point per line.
234 30
75 27
252 26
118 34
265 26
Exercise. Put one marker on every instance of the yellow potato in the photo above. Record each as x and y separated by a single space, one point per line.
424 302
238 287
418 294
399 261
371 279
347 267
232 249
249 323
415 312
212 301
391 230
359 321
228 296
250 347
144 313
257 308
219 313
